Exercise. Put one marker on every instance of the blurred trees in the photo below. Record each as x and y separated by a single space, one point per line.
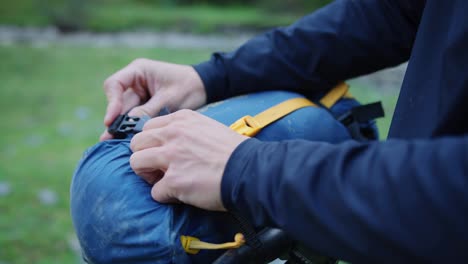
291 5
276 5
73 15
66 15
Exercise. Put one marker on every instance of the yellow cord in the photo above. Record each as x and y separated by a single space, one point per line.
192 245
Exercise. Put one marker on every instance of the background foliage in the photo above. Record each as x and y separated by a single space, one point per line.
180 15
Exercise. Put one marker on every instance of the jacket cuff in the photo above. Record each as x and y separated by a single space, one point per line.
235 170
214 77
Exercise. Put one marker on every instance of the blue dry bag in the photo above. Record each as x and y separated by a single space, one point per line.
117 221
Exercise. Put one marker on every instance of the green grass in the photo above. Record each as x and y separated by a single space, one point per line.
121 15
42 93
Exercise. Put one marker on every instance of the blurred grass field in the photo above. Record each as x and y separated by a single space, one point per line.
52 106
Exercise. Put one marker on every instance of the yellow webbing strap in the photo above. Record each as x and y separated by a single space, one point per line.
334 95
251 125
192 245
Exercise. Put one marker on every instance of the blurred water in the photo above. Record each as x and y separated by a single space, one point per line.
40 37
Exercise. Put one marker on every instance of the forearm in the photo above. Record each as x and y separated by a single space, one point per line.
395 201
342 40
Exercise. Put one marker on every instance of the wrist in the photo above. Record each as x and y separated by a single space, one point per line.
191 90
197 87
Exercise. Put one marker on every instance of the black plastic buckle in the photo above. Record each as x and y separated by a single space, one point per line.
358 115
125 125
363 113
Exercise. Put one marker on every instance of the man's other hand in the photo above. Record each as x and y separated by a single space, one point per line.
152 85
184 155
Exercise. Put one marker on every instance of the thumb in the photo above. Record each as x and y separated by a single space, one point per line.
150 108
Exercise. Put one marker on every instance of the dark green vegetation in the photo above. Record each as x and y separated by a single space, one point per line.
117 15
52 107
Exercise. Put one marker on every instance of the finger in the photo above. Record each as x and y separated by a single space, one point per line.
161 193
130 100
152 177
148 160
114 88
150 108
147 139
158 122
162 121
114 106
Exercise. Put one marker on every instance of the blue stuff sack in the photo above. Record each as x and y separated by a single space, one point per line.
117 221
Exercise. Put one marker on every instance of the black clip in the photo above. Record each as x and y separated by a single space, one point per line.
125 125
358 115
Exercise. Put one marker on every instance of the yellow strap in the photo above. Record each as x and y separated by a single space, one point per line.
334 95
250 126
192 245
348 95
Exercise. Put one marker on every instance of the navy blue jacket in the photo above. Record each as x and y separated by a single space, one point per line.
402 200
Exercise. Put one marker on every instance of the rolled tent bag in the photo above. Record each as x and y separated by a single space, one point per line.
117 221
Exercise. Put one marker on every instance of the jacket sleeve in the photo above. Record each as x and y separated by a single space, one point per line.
342 40
383 202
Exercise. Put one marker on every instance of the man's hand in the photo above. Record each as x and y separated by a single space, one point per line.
152 85
184 155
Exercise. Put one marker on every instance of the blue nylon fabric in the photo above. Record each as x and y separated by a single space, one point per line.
117 221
